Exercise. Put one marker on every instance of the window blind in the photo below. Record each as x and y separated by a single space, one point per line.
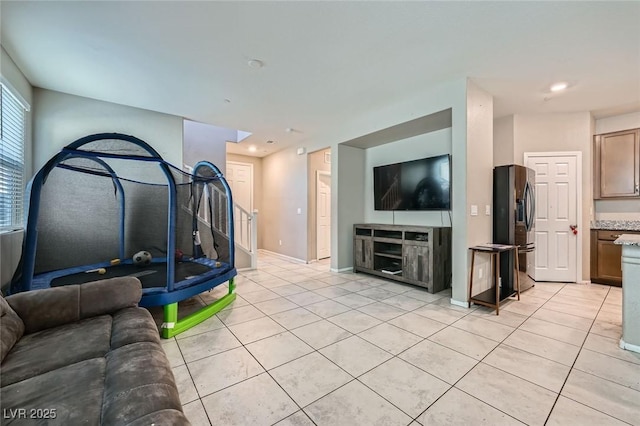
12 136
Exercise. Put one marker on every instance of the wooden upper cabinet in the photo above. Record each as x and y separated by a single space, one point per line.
617 164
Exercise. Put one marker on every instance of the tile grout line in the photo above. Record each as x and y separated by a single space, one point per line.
574 363
248 378
351 309
265 370
317 350
352 334
357 378
478 363
206 413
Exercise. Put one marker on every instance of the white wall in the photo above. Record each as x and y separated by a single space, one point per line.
204 142
618 122
617 209
503 141
347 202
421 146
426 101
285 179
11 242
284 175
561 132
347 211
60 119
479 178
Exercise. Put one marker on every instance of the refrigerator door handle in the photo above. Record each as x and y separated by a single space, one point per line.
526 207
532 217
530 207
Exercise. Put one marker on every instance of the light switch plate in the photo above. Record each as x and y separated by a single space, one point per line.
487 210
474 210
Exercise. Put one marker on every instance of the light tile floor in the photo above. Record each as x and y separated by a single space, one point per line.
304 346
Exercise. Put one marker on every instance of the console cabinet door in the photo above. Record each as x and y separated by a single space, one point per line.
619 168
609 260
416 263
363 253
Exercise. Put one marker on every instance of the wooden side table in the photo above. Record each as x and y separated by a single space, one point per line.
491 297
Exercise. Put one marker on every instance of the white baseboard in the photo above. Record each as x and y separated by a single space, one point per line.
582 282
629 346
349 269
458 303
283 256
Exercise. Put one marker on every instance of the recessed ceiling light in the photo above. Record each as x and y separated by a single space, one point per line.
252 148
270 142
288 130
558 87
227 101
255 63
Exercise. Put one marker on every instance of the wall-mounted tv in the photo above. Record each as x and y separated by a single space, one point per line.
423 184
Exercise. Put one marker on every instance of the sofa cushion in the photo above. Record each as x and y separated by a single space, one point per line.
132 325
46 308
11 328
108 296
52 307
75 393
138 382
57 347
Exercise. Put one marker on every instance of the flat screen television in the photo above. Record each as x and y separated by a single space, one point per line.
423 184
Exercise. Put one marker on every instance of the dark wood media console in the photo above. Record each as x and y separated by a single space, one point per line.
416 255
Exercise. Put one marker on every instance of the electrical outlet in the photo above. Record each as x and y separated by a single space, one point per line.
299 210
280 242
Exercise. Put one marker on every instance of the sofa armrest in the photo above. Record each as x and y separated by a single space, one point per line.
51 307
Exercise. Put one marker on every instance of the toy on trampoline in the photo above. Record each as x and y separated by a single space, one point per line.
108 206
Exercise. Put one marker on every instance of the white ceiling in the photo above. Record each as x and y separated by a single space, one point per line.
325 60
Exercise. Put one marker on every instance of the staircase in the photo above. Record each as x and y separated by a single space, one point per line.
245 233
246 237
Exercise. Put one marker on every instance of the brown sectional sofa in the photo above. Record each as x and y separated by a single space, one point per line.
84 354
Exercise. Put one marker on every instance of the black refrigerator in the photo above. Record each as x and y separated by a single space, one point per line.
514 207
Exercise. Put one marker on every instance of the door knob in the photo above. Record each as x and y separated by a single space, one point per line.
574 229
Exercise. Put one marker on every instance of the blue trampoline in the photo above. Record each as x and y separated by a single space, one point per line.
106 197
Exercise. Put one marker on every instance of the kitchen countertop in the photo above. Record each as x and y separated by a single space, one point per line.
628 240
616 225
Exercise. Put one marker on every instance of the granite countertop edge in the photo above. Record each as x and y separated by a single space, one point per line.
628 240
616 225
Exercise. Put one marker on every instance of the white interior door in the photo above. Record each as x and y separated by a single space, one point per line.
240 179
323 215
556 210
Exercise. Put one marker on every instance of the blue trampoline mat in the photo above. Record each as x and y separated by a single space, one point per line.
154 275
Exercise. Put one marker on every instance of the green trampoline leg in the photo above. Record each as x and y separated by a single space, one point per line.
172 327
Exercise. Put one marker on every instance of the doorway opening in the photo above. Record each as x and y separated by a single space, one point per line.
319 248
240 178
323 215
